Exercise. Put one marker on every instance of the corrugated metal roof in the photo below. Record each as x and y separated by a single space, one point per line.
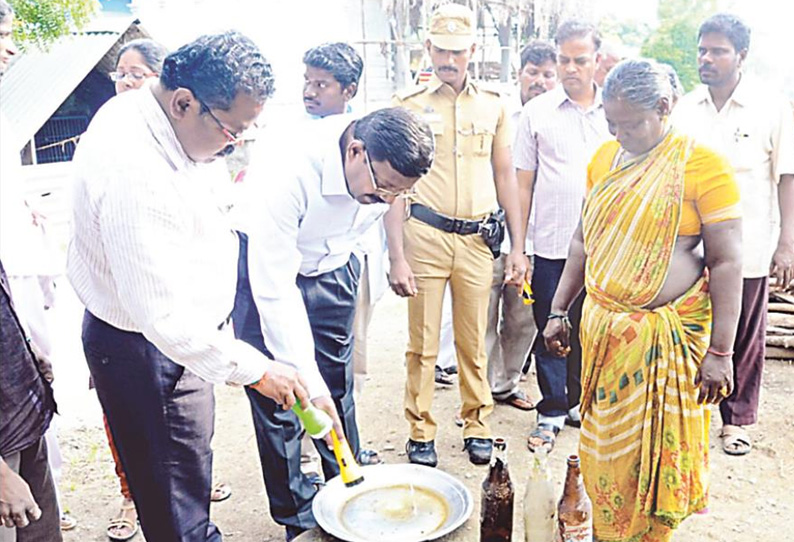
37 83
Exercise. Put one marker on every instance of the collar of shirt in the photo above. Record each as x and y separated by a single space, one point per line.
562 98
741 96
435 84
348 111
162 130
333 181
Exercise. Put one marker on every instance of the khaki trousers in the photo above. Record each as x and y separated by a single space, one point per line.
465 262
511 330
364 310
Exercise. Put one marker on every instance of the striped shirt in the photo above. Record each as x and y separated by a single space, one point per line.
151 250
556 139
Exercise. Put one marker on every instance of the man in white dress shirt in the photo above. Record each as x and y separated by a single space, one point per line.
308 210
752 126
154 259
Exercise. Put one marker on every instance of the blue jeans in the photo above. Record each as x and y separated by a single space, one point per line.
330 301
559 379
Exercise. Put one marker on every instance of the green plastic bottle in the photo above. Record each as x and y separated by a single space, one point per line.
316 422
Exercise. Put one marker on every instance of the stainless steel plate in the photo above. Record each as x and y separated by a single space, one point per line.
394 503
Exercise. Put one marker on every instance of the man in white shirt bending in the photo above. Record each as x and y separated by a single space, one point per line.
154 259
308 210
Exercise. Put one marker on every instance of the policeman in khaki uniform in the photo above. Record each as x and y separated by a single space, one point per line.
443 237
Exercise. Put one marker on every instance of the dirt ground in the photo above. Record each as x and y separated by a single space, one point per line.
750 497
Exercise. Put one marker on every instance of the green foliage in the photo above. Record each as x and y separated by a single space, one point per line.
38 23
629 33
675 40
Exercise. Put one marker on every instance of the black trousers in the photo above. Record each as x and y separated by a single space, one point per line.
32 465
161 417
330 301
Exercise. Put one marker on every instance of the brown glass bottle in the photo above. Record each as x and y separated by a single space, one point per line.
496 513
575 510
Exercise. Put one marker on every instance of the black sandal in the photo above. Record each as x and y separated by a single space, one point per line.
541 432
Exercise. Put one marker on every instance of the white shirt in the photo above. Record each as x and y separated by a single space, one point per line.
301 220
557 138
151 251
755 131
24 247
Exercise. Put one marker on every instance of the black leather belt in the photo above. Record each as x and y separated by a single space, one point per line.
444 223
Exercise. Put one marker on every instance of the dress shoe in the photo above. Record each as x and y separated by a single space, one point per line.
479 450
422 453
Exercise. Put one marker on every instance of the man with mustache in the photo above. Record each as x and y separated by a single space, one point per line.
558 132
538 70
330 81
752 126
444 240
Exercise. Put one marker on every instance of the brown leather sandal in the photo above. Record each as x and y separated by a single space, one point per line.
124 526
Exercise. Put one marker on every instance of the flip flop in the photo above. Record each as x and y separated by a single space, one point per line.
220 492
369 457
67 522
518 400
541 432
127 526
735 440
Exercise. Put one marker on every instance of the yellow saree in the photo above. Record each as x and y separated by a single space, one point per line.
643 445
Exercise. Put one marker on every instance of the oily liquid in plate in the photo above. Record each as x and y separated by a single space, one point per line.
395 514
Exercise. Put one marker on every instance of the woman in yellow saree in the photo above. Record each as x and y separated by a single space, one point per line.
658 251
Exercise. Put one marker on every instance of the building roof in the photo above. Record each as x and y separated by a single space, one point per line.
38 82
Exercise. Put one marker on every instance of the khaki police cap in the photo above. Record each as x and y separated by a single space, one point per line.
452 27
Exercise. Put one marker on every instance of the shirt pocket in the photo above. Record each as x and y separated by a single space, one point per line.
437 127
482 138
747 148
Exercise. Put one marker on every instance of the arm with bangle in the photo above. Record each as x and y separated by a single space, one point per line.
722 241
557 333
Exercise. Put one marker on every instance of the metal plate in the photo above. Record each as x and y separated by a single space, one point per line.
394 503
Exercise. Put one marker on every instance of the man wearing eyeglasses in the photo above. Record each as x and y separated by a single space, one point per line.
444 241
154 260
308 209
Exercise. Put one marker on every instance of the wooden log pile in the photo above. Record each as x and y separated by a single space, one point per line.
780 326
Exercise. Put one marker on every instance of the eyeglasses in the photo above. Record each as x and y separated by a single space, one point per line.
232 140
381 195
135 76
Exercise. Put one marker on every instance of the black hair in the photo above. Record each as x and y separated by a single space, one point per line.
575 28
730 26
399 137
537 52
216 67
340 59
152 52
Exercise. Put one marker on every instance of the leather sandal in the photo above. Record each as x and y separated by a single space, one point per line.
369 457
735 440
220 492
541 432
122 527
518 400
